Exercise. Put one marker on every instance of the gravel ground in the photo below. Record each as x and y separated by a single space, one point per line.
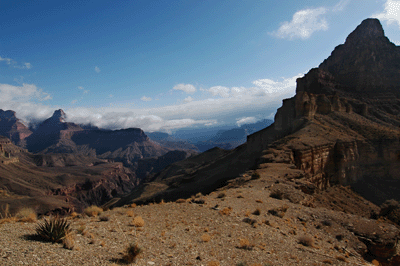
225 230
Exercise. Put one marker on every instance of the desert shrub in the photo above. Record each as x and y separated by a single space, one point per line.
213 263
138 221
131 253
130 213
225 211
255 175
180 201
104 218
245 244
391 210
93 211
306 241
26 215
327 222
279 212
257 211
277 194
206 238
221 195
389 206
68 242
54 229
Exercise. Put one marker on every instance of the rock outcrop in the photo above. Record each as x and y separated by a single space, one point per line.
341 127
11 127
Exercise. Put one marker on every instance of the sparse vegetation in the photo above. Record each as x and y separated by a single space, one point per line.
104 218
180 201
244 243
131 253
26 215
279 212
93 211
306 241
69 242
255 176
277 194
225 211
54 229
221 195
206 238
137 221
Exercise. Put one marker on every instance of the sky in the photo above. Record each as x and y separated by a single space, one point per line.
169 64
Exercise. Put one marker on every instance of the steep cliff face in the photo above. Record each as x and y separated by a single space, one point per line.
11 127
342 126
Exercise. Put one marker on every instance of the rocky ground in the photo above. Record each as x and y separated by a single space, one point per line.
249 222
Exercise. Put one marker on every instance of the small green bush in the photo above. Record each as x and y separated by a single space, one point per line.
54 229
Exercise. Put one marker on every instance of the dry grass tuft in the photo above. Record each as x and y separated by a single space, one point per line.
27 215
213 263
306 241
133 205
180 201
279 212
74 215
225 211
137 221
341 258
69 242
93 211
245 244
206 238
130 213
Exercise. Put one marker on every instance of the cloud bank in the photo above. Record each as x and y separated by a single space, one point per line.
219 105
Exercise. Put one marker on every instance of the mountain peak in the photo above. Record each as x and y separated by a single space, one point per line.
367 61
370 28
59 115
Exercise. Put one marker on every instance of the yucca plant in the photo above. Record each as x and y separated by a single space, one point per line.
131 252
55 229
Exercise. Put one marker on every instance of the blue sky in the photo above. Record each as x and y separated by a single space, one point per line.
165 65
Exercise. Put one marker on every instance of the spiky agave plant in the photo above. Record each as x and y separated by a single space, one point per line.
131 252
55 229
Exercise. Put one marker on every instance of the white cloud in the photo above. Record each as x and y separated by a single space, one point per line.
188 99
219 90
246 120
303 25
97 69
391 14
74 101
26 92
145 99
262 98
14 64
188 88
341 5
